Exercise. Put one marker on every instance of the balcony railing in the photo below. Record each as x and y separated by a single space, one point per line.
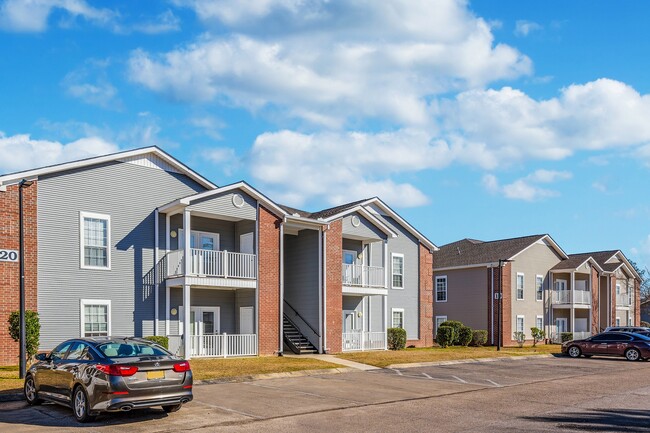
556 337
572 297
624 300
364 341
216 346
213 263
363 276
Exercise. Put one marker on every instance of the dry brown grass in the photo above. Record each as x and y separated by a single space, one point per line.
9 381
432 354
215 368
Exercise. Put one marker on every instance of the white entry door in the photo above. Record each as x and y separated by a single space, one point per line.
246 320
246 243
561 325
204 324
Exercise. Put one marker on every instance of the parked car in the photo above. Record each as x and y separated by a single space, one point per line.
635 329
108 374
632 346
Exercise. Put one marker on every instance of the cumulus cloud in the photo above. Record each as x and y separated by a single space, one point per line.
32 15
526 188
164 23
525 27
21 152
90 84
382 59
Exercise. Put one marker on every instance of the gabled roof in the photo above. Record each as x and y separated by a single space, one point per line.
87 162
602 257
472 252
575 261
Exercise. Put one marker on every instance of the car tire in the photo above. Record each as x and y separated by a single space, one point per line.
81 406
574 352
29 390
172 407
632 355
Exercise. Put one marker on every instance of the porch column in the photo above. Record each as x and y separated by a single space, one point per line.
187 331
187 228
385 250
363 323
384 300
573 319
573 288
167 229
551 324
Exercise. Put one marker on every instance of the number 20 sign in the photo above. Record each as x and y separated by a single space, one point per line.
8 255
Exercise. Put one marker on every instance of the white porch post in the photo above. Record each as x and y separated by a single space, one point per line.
167 226
156 275
363 323
573 288
385 250
187 228
187 330
385 302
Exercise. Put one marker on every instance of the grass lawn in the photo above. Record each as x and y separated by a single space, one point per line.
9 381
385 358
215 368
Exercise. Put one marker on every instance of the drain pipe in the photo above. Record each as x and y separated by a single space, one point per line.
281 327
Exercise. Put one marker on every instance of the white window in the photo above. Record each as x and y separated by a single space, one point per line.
520 286
520 324
539 322
629 321
618 289
441 289
95 240
439 321
398 271
618 321
539 287
95 318
398 317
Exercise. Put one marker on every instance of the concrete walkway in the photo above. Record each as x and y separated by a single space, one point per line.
334 360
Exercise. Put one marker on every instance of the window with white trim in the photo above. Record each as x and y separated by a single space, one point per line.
618 289
629 321
95 240
398 270
439 321
441 289
520 286
539 287
397 315
618 321
539 322
95 318
520 324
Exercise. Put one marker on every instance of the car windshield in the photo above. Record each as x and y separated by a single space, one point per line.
125 349
643 337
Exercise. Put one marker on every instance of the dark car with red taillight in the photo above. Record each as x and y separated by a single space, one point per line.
109 374
633 347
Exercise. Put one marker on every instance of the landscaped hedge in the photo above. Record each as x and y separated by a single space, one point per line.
445 336
464 336
456 325
566 336
479 337
159 339
396 338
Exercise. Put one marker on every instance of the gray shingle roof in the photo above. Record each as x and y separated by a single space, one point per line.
325 213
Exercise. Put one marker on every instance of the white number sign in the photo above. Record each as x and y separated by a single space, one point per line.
8 255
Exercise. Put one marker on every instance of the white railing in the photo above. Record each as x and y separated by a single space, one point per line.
363 341
363 276
564 297
223 345
581 297
581 335
175 344
623 300
556 337
561 297
213 263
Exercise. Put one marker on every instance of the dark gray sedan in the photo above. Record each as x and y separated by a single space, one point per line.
105 374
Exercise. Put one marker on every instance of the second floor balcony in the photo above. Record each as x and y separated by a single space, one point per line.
624 299
363 276
580 297
210 263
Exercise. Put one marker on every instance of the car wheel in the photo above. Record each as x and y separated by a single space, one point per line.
574 352
172 407
30 391
80 405
632 355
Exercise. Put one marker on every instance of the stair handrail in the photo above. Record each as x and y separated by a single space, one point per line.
301 318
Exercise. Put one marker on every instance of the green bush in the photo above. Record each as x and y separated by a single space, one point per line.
456 325
537 334
479 337
646 324
396 338
566 336
159 340
519 337
32 330
464 336
445 335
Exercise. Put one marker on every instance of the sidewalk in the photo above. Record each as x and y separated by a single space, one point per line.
335 360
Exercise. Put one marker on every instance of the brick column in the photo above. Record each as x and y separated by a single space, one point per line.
506 315
612 288
268 281
637 303
425 333
333 277
10 271
595 301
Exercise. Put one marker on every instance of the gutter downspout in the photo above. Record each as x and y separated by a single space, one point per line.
281 333
155 273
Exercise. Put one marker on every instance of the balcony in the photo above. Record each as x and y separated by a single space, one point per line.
216 346
624 300
209 263
582 297
363 276
354 341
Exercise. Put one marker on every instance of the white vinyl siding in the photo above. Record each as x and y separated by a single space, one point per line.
95 240
397 315
539 288
520 286
397 270
441 289
520 324
95 318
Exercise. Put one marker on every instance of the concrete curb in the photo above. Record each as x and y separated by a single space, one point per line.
265 376
467 361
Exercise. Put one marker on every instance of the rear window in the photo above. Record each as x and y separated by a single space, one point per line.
130 348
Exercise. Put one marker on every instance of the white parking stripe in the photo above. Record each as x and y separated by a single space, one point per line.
399 373
427 376
493 382
459 379
227 409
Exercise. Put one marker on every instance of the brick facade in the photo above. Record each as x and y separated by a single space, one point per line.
269 283
612 287
637 303
595 301
425 332
9 271
334 296
506 304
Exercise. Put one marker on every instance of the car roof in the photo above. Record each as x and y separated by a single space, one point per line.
95 341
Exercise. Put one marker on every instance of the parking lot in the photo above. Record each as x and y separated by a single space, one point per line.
535 394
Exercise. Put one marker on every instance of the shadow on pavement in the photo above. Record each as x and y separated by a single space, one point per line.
599 420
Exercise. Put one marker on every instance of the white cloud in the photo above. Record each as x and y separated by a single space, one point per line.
600 187
220 155
32 15
21 152
382 59
91 85
526 188
164 23
525 27
208 125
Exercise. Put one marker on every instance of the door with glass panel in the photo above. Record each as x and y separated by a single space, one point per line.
204 328
352 272
204 246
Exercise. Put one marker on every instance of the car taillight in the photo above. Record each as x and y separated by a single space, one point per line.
117 370
181 367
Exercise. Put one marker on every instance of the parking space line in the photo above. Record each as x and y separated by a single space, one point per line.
459 379
399 373
311 394
493 383
427 376
227 409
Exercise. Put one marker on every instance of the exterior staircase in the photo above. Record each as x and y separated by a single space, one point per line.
295 340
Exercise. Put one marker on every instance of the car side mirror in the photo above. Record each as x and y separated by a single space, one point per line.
42 357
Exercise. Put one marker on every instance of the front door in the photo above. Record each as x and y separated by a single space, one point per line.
560 326
562 292
246 317
204 324
352 340
205 260
246 243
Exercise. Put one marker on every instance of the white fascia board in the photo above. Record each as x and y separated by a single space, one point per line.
628 265
298 220
373 220
549 239
453 268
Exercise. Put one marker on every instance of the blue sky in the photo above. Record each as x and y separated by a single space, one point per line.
474 119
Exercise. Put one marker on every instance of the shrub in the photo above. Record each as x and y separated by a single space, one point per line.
159 339
537 334
445 336
456 325
646 324
32 330
566 336
464 336
479 337
396 338
520 337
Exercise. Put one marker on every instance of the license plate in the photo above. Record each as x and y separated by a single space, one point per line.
158 374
